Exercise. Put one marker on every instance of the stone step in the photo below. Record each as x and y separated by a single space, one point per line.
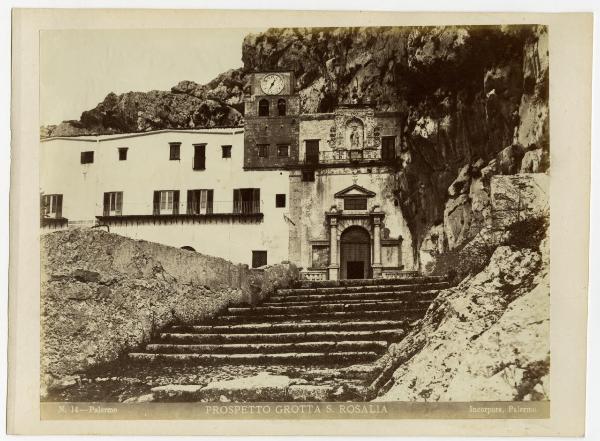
388 335
362 289
383 314
256 358
329 307
253 328
354 297
326 300
262 348
367 282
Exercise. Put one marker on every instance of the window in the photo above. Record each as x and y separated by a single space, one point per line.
279 200
199 157
259 258
87 157
226 151
174 151
166 202
281 107
123 153
308 176
263 107
312 151
113 203
246 200
51 206
388 148
263 150
355 203
283 150
200 201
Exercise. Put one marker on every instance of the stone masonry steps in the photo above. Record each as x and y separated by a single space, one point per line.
329 307
394 314
286 357
269 347
352 297
288 326
370 282
363 289
387 335
318 323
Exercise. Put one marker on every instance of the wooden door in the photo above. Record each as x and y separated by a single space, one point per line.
355 253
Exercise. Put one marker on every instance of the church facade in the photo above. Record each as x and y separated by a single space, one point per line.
311 188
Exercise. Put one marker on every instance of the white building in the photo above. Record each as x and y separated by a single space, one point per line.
180 188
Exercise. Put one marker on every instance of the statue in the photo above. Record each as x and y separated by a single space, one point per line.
355 138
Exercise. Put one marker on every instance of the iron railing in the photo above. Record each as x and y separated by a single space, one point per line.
246 207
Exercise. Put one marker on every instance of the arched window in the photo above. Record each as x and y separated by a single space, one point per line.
281 107
263 107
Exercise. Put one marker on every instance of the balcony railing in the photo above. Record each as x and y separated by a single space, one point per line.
246 207
342 156
214 207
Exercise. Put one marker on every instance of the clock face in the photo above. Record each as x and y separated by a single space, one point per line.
271 84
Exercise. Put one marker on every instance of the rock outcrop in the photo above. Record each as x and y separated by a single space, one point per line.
187 105
486 339
102 294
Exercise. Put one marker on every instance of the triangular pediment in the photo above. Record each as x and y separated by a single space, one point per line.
354 191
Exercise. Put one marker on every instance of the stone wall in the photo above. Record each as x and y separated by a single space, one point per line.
103 294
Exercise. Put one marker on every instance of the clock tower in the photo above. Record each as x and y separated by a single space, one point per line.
271 129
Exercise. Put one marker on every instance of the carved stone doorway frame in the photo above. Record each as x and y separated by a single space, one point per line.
339 221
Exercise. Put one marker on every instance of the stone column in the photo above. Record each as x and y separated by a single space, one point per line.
377 267
334 266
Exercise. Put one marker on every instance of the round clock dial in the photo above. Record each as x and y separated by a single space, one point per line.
271 84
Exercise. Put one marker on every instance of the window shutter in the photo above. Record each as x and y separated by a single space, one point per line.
256 200
119 202
156 203
106 210
199 157
209 202
237 206
190 194
59 199
176 202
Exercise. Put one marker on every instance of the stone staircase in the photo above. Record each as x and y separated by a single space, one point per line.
318 323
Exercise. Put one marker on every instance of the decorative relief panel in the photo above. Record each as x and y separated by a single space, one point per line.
354 128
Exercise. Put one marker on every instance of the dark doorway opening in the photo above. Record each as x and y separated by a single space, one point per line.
355 269
355 253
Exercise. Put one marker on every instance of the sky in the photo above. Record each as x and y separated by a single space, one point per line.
80 67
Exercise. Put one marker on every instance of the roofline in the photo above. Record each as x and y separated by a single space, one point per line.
97 138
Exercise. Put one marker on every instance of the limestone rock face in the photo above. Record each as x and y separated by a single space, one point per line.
486 339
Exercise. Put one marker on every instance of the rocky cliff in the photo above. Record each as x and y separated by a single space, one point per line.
475 101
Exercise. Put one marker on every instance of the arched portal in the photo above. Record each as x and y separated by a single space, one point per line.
188 248
355 253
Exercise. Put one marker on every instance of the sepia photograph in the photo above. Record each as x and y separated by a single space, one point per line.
353 214
305 222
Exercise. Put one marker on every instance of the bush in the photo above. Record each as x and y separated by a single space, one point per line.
527 233
463 261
